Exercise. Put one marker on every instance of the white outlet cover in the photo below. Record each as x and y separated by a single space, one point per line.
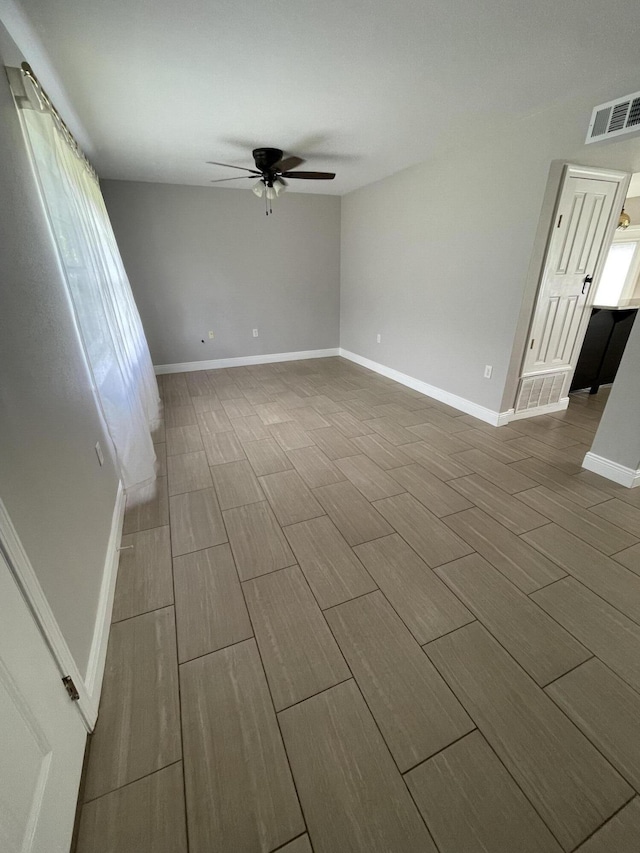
378 338
211 335
255 333
488 370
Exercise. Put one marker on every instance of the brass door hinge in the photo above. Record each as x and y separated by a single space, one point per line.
71 689
533 340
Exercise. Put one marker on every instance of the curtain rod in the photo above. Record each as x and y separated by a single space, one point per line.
28 72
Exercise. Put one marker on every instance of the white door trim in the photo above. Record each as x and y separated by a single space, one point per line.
20 565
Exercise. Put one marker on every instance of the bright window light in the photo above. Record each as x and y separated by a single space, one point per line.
614 275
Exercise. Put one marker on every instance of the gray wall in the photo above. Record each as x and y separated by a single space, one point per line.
57 496
618 436
437 258
203 259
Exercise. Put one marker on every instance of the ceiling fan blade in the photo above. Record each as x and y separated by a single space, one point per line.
311 176
238 178
288 163
229 166
282 181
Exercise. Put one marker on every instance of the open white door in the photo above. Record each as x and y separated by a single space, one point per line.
43 735
581 232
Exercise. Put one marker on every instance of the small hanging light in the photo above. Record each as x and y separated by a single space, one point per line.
258 188
624 222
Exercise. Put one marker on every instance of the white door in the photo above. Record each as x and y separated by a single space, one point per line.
581 222
42 736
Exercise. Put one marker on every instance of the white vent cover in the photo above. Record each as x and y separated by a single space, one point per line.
536 391
615 118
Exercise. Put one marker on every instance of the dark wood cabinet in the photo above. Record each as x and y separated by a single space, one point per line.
603 346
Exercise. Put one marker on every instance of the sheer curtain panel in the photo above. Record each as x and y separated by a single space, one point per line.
106 313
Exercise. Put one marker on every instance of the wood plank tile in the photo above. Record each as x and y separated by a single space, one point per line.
518 561
348 424
300 845
196 522
567 485
213 422
368 478
430 490
144 580
501 475
183 439
210 608
314 467
563 459
222 447
147 507
392 432
504 508
188 472
599 573
541 647
566 779
439 440
291 436
603 535
206 403
299 654
555 435
492 446
138 730
470 803
177 416
161 459
331 568
257 540
380 451
308 418
240 408
158 431
272 413
441 466
354 516
352 794
333 443
250 429
607 711
290 499
236 484
238 783
620 834
610 635
621 514
417 713
426 534
146 816
421 599
267 457
630 558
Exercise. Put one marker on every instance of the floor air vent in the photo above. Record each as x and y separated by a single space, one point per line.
536 391
615 118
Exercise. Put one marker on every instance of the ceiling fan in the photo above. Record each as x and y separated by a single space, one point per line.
272 170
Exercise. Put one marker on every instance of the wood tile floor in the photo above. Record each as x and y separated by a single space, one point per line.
350 618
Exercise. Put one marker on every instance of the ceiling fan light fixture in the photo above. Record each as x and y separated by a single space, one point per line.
271 193
624 222
279 187
258 189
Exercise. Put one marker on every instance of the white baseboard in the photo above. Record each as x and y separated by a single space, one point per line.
243 361
560 406
98 653
612 470
469 408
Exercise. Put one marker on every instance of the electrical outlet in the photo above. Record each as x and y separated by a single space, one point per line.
488 370
255 333
211 335
378 338
99 454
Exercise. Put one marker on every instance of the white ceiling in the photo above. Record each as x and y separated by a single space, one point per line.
360 87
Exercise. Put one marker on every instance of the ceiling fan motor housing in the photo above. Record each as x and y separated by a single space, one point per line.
266 158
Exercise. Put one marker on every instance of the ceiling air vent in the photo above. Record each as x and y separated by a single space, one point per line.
615 118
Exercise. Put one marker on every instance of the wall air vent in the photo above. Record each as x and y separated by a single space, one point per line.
538 391
614 118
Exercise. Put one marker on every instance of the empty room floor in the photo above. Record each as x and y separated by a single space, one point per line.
350 618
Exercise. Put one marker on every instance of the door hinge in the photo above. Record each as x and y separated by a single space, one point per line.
559 220
533 340
71 689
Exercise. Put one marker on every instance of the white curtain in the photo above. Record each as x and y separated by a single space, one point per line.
105 310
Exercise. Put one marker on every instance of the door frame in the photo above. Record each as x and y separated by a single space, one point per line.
546 231
88 685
